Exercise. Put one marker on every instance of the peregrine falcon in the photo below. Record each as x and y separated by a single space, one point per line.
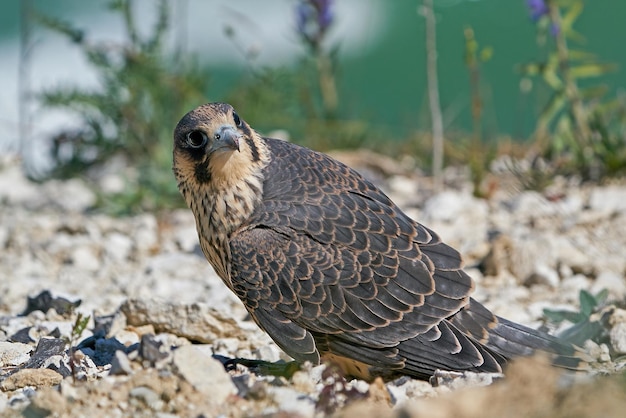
329 266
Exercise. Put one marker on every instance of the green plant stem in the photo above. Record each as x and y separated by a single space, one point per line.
127 13
433 93
571 88
328 87
24 81
477 159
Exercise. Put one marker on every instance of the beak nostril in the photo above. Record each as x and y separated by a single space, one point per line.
226 136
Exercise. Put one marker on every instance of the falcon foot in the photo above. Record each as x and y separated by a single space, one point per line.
279 368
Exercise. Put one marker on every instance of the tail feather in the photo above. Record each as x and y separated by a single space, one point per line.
509 339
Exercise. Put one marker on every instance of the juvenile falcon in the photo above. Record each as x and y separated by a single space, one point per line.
330 267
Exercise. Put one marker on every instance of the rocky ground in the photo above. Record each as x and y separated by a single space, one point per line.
104 316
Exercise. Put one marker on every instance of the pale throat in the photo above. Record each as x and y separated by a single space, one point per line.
230 198
229 168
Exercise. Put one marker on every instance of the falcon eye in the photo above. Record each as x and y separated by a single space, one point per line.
237 119
197 139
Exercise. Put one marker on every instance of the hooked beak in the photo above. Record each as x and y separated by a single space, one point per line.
226 136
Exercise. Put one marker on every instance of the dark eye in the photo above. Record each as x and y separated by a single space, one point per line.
237 119
197 139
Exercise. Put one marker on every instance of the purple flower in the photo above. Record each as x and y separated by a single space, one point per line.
313 18
324 12
537 8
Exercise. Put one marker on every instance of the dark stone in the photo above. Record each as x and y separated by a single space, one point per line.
56 333
100 349
103 324
22 336
242 384
105 350
44 302
61 366
150 349
46 348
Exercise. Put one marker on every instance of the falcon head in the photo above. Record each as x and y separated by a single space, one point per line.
213 146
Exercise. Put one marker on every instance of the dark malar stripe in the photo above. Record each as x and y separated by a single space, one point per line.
202 173
253 148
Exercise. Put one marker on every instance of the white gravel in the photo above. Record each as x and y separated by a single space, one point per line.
534 252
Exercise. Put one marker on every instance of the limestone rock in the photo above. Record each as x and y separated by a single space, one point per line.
204 373
196 322
31 377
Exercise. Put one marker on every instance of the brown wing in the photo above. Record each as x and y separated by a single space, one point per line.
332 254
328 264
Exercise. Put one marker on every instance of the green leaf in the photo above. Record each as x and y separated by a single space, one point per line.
587 303
552 109
551 77
594 92
602 296
591 70
486 53
560 316
550 72
571 15
61 26
583 331
80 325
580 55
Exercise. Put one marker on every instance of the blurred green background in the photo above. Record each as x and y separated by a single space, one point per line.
371 55
386 83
